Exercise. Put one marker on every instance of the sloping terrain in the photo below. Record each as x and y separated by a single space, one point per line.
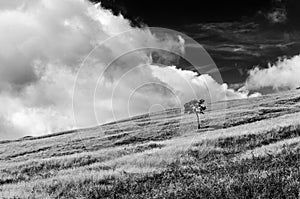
246 149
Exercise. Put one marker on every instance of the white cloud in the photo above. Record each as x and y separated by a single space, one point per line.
284 74
43 44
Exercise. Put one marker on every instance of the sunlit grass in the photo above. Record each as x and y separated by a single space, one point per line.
249 151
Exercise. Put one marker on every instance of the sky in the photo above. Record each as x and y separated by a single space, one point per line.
238 35
169 13
173 14
74 64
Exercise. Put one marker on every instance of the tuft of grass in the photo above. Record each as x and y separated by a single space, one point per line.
254 154
275 176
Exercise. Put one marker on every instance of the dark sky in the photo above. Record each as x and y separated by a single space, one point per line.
176 13
248 27
168 13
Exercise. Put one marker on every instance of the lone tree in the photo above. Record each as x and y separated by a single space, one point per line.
195 106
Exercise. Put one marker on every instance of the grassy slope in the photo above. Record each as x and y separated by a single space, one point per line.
251 150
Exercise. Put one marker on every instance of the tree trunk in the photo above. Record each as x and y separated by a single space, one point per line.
198 121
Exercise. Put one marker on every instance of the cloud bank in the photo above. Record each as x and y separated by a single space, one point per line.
284 74
43 46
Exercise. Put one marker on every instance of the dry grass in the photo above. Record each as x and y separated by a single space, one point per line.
249 150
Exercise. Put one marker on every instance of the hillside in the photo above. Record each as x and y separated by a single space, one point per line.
249 150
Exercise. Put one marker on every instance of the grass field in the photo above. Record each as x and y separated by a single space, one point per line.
251 149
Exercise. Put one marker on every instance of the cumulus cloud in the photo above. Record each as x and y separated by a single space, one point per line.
284 74
44 48
189 84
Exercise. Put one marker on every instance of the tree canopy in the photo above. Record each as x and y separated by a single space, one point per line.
195 106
